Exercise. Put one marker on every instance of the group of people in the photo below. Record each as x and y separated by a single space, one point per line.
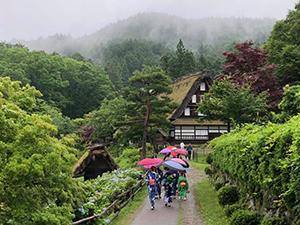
170 181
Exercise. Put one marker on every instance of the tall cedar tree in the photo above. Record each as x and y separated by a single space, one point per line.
248 67
152 83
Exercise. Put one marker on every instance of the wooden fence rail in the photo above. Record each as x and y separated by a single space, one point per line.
92 218
197 152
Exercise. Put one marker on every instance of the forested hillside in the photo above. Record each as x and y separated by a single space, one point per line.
75 87
161 28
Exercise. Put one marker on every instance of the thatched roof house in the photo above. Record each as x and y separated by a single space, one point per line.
95 161
188 91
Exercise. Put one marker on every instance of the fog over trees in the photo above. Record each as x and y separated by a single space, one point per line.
162 28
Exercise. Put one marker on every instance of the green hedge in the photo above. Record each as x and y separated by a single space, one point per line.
265 161
228 195
245 217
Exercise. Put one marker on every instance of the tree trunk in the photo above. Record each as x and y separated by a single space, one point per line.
228 126
145 129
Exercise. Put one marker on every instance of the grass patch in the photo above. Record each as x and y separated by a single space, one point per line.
201 164
211 211
125 217
180 216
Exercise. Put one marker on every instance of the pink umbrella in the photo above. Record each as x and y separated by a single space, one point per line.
180 161
171 147
179 149
148 167
150 162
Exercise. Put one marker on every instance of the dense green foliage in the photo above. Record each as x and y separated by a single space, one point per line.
36 186
74 87
264 160
245 217
274 221
230 209
283 46
290 104
229 103
228 195
122 59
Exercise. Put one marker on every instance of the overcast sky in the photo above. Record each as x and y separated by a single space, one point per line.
30 19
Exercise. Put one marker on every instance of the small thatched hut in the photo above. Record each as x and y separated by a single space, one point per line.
95 161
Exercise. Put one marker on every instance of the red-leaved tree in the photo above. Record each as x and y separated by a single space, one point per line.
248 67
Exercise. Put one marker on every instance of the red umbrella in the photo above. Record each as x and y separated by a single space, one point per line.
180 151
174 154
150 162
180 161
171 147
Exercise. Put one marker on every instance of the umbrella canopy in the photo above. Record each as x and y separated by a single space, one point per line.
180 161
174 154
174 165
148 167
165 150
150 162
180 151
171 147
187 164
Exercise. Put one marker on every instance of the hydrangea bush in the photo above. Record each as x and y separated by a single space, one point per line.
102 192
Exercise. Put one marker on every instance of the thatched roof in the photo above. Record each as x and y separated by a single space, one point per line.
93 152
185 87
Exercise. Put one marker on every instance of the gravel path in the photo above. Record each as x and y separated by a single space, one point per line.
190 208
162 215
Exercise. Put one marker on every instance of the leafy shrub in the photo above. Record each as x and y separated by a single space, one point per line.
218 185
208 171
274 221
230 209
209 159
129 157
228 195
245 217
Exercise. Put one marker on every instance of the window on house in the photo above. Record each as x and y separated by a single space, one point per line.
194 99
202 98
187 112
201 132
223 129
213 129
202 86
172 133
188 130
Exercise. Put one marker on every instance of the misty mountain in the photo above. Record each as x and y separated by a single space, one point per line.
161 28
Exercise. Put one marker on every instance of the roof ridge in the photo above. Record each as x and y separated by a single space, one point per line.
203 73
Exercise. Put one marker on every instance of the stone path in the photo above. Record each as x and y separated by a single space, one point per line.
162 215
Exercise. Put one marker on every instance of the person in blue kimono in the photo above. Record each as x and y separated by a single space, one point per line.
160 174
152 180
167 186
